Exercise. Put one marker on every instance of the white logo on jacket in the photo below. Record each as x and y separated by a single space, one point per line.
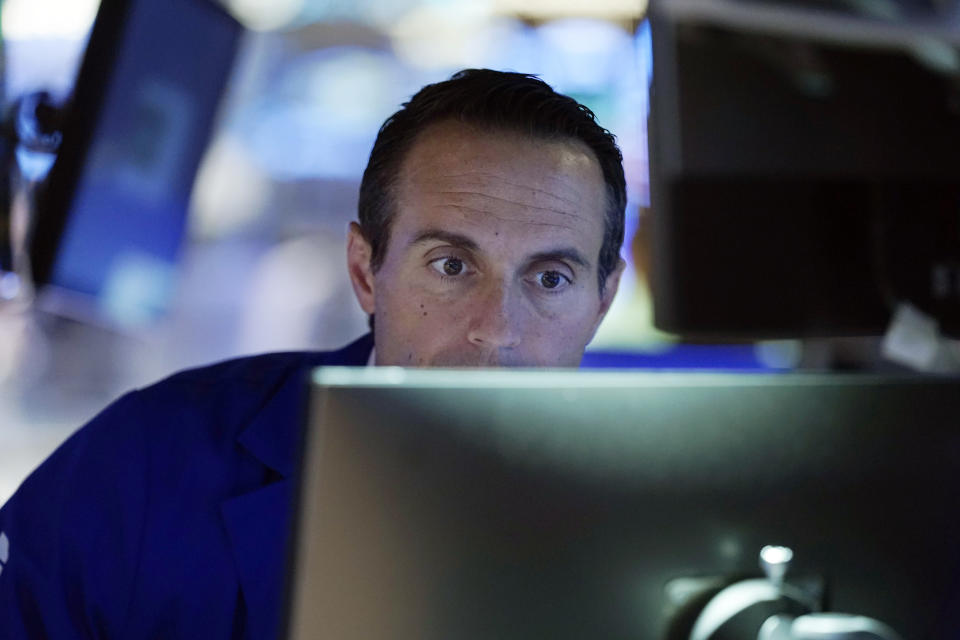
4 550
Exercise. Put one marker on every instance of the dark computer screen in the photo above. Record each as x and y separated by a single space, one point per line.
804 167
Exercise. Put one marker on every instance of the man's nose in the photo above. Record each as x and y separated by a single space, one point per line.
496 318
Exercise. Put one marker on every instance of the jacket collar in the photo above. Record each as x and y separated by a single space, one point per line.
274 434
258 522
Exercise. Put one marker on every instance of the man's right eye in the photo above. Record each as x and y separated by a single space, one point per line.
450 267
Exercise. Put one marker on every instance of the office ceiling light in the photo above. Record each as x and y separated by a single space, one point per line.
261 15
621 10
443 36
35 19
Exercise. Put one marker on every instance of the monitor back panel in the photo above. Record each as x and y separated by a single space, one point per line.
565 505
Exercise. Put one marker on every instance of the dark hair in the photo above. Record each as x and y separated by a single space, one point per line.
498 100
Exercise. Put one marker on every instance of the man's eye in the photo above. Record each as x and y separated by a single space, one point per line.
552 279
449 266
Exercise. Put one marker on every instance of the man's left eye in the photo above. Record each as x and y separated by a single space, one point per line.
552 279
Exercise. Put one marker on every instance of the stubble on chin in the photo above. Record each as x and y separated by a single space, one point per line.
478 359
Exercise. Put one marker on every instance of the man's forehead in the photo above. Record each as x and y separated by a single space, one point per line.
549 192
503 181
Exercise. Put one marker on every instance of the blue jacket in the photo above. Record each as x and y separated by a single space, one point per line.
167 515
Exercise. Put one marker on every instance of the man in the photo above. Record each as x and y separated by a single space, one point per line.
490 223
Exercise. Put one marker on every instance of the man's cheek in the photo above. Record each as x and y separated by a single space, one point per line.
430 306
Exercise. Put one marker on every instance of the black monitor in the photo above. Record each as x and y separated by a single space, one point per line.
805 166
111 217
548 504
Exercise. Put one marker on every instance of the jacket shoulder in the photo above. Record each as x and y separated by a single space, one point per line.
165 453
223 397
256 369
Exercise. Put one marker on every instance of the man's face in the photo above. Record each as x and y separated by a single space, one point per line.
492 255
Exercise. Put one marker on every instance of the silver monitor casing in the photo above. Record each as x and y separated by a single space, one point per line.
564 504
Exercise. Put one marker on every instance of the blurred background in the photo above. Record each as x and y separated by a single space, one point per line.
258 263
209 165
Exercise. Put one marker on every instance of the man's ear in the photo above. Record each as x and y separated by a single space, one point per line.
609 291
359 254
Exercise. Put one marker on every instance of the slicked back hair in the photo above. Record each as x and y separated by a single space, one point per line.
498 101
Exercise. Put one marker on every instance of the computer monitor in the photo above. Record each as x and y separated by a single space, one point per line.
111 216
533 504
804 166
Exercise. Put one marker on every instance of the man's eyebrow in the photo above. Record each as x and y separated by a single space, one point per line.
454 239
567 254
